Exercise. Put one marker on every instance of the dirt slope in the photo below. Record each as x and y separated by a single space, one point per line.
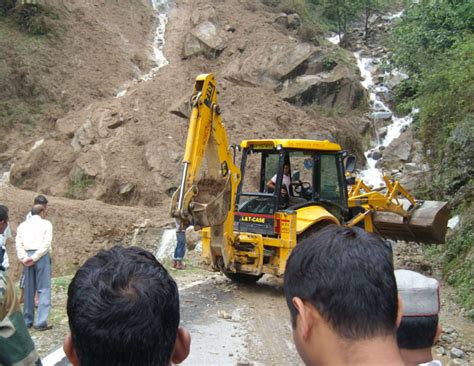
127 150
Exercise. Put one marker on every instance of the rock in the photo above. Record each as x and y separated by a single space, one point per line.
458 362
127 188
440 350
192 238
336 88
381 115
398 151
456 353
373 18
204 14
382 133
294 21
182 108
204 39
282 19
224 315
411 167
83 136
271 65
376 155
395 78
191 46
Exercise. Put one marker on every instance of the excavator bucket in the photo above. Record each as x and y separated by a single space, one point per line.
428 223
211 205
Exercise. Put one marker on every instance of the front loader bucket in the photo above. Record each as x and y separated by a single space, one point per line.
428 223
211 205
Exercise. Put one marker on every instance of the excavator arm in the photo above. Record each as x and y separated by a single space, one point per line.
396 214
207 199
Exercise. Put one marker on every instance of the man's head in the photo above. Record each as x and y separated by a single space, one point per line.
39 210
40 200
419 327
286 169
3 218
123 309
341 279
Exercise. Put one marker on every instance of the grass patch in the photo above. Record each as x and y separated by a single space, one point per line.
61 283
78 186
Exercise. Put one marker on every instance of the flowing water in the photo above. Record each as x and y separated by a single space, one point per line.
161 8
380 112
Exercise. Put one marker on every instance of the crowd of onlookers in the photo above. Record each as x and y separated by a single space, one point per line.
347 304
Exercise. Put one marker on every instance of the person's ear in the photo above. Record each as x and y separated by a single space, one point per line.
399 310
306 319
182 346
70 351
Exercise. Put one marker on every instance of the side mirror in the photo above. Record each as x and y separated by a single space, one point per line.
295 177
350 163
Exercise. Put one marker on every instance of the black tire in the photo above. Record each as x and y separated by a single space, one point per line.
243 278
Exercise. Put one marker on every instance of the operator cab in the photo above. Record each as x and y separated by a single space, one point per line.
280 175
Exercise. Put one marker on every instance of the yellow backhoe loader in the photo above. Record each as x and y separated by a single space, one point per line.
249 227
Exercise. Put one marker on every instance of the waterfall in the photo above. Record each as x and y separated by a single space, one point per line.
161 8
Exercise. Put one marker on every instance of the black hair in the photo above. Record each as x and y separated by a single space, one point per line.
417 332
40 200
123 309
3 213
347 275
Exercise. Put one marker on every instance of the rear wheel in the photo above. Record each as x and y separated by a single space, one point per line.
242 277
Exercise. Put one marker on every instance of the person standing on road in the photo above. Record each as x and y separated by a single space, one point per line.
39 200
180 250
16 345
33 246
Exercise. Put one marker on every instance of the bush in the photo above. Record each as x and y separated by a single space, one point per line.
32 19
6 6
78 185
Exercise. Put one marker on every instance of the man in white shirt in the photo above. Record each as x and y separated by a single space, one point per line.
286 179
33 246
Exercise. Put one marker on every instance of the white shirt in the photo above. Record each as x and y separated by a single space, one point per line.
432 363
34 234
3 241
286 181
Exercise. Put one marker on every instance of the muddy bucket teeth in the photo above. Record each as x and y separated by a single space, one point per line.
212 204
428 224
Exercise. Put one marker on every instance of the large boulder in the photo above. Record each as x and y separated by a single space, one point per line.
271 65
399 151
336 88
206 39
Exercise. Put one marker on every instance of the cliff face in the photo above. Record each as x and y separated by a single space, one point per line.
127 150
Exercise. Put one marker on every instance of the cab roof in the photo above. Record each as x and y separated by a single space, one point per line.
269 144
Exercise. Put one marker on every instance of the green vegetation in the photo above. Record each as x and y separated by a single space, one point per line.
324 15
31 18
78 185
434 44
457 260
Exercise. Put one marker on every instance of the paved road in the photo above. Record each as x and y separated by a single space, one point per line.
232 324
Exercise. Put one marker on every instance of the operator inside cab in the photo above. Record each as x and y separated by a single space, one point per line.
285 188
271 184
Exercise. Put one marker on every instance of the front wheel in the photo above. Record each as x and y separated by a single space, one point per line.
242 277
